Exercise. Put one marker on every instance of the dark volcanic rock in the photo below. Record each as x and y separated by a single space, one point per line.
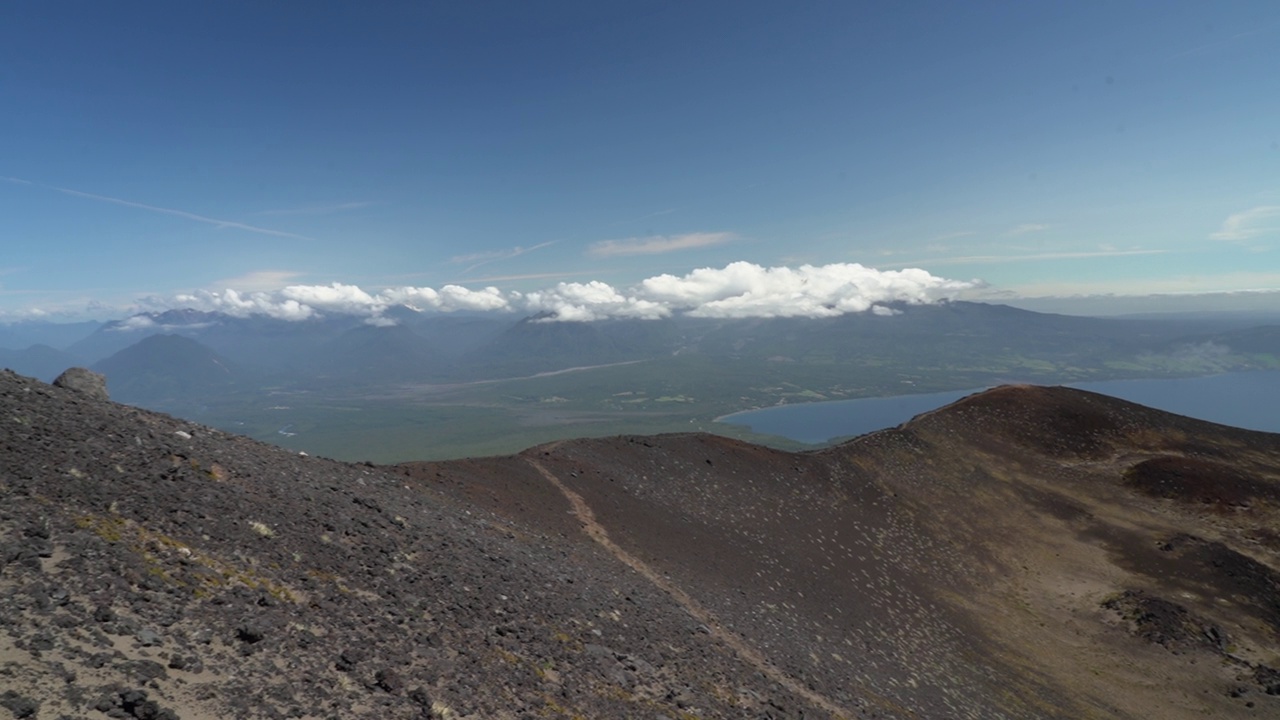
350 658
389 681
250 633
20 706
1165 623
84 381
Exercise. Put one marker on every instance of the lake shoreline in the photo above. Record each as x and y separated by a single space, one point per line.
1237 398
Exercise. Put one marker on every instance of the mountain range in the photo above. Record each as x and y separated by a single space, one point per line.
1025 552
345 387
451 347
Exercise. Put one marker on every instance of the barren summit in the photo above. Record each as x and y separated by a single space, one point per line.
1025 552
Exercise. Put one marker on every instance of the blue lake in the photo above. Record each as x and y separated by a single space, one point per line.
1244 399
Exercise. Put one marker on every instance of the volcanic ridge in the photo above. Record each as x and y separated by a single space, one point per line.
1025 552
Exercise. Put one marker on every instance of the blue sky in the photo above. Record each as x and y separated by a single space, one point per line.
155 151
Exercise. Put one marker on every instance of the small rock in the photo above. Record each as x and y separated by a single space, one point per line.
149 638
20 705
143 670
389 680
134 703
39 529
351 657
599 651
42 643
420 697
250 633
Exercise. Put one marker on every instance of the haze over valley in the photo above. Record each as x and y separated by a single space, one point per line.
425 385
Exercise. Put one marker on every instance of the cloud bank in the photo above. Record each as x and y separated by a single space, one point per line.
738 290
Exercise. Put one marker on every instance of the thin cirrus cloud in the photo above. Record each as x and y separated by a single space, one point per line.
162 210
1034 257
320 209
258 280
658 244
1026 228
1262 282
737 290
1207 47
484 258
1252 223
952 235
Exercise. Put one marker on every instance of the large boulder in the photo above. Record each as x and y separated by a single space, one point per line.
84 381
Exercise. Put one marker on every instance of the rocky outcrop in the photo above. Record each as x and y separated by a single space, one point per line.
86 382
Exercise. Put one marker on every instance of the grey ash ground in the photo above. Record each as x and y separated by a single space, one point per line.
1026 552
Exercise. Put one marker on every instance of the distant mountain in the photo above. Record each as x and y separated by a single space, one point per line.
39 361
24 334
982 342
285 347
370 355
535 344
1026 552
453 335
114 336
1264 339
955 327
162 369
256 341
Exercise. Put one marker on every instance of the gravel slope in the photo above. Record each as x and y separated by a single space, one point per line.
1027 552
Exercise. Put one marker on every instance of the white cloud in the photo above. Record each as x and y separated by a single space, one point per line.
336 298
595 300
236 304
137 322
657 244
744 289
303 302
1249 224
738 290
449 298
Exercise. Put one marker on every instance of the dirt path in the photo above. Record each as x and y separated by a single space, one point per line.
740 646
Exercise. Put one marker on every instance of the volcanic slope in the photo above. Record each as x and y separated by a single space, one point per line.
1026 552
153 568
